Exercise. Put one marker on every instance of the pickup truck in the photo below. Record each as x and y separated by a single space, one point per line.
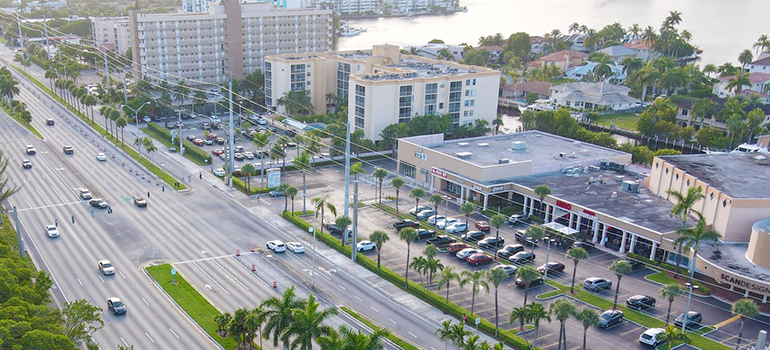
406 223
442 241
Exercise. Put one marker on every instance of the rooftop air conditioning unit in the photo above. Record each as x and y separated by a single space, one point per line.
630 186
463 144
463 155
503 161
483 144
519 145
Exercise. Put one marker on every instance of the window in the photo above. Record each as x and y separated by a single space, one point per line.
407 169
453 187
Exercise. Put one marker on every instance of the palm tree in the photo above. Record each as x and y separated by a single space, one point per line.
418 264
436 199
475 278
497 221
222 320
357 169
762 43
380 174
646 76
334 340
276 153
744 308
302 162
417 194
121 123
670 292
237 326
379 238
291 191
673 334
279 313
692 237
261 140
684 204
632 64
542 191
527 275
467 208
248 171
736 83
537 313
602 70
321 203
745 58
576 254
520 314
620 268
307 325
445 333
562 309
343 222
431 267
459 334
589 318
446 277
397 183
253 324
536 233
408 235
703 108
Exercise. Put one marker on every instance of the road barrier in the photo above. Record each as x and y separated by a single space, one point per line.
253 268
252 248
275 284
237 252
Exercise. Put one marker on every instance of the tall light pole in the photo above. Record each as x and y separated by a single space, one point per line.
315 221
547 253
136 121
686 320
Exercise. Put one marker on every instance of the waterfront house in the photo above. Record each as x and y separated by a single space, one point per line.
761 65
758 85
536 44
593 95
563 59
643 49
580 72
619 52
520 90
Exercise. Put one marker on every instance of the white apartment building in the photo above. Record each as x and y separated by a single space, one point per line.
232 39
103 29
384 87
193 6
122 33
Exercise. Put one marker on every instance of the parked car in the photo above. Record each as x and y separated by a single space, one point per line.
522 257
206 126
219 172
465 253
522 237
640 302
406 223
116 306
239 157
509 250
51 231
417 210
446 222
276 246
26 164
198 142
426 214
425 234
276 193
219 141
483 225
472 236
106 267
248 155
140 202
478 259
442 241
537 282
609 318
596 283
517 218
295 247
509 269
457 227
694 318
191 137
98 203
652 336
457 246
551 266
365 246
435 219
217 152
101 157
635 264
585 245
492 242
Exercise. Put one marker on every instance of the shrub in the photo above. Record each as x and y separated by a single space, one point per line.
191 150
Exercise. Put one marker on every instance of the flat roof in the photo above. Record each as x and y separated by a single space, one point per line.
420 68
738 175
542 148
642 209
732 257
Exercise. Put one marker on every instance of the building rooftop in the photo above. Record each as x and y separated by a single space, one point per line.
543 149
732 257
421 69
734 174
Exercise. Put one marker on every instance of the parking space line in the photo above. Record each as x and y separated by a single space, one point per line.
727 321
636 329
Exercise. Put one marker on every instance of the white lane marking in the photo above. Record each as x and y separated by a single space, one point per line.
231 275
42 197
209 276
391 321
81 283
100 277
148 336
412 334
124 341
145 301
375 310
343 288
57 194
359 299
121 274
49 206
211 258
48 268
174 333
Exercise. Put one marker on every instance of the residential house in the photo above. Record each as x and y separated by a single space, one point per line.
618 53
563 59
593 95
643 49
579 72
759 83
576 41
431 51
761 65
685 118
495 50
536 44
520 90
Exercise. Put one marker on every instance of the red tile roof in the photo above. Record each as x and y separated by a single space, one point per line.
638 45
754 78
490 48
762 61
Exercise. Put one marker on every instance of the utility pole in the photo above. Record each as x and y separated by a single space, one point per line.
106 71
232 139
18 231
47 42
347 173
18 23
355 221
181 146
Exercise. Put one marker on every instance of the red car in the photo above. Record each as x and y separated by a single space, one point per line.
457 246
217 152
199 142
483 225
479 258
211 136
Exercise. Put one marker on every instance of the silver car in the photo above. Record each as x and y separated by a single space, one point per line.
465 253
597 283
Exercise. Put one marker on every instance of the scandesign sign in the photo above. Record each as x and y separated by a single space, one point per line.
738 282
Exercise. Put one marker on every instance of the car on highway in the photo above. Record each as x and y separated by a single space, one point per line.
465 253
473 236
295 247
425 234
49 121
101 157
551 266
276 246
365 246
457 246
596 283
457 227
85 193
51 231
492 242
425 214
520 283
609 318
478 259
31 149
26 164
219 172
276 193
442 241
509 269
406 223
106 267
68 150
116 306
98 203
140 202
522 257
585 245
435 219
217 152
694 318
640 302
653 336
483 225
446 222
417 210
509 250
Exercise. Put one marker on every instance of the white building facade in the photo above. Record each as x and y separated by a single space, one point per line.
196 6
104 31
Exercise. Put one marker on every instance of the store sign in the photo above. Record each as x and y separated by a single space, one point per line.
439 173
564 205
420 155
477 188
497 188
589 212
747 285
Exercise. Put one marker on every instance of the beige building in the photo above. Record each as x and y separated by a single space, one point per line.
232 39
384 87
104 31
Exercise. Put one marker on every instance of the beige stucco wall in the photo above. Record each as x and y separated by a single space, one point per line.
726 277
759 246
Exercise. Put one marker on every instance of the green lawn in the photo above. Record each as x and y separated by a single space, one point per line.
625 121
192 302
396 340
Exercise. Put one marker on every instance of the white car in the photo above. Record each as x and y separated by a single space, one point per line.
364 246
52 231
448 221
652 336
276 246
435 219
101 157
456 227
465 253
106 267
261 121
248 155
295 247
147 119
219 172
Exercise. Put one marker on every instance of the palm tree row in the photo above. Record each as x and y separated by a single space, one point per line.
462 338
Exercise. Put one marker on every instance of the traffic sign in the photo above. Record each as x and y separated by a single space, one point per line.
173 271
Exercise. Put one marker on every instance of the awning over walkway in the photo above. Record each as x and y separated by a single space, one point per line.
557 213
561 228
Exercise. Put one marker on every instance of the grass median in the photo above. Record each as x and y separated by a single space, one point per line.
396 340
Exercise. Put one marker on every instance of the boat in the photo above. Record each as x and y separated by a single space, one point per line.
749 148
350 31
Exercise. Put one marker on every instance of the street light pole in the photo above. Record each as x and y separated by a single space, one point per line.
315 221
547 254
136 121
686 319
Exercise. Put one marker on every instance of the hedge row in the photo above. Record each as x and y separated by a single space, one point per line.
241 186
703 289
192 151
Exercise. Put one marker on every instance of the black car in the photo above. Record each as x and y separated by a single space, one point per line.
490 242
406 223
537 282
522 237
509 250
635 264
116 306
49 121
425 234
609 318
640 302
522 257
442 241
473 236
140 202
585 245
551 266
98 203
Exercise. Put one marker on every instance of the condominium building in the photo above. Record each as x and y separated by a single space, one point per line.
232 39
193 6
104 31
383 86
